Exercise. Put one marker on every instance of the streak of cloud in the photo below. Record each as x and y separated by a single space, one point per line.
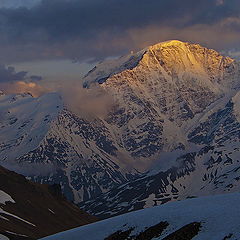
94 102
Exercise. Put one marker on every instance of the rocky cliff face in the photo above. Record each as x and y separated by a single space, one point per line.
166 98
172 82
212 168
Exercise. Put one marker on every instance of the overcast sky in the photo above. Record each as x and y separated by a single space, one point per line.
91 30
18 3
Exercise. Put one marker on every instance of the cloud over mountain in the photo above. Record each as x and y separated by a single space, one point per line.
12 81
86 30
8 74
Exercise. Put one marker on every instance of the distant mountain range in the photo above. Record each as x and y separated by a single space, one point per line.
172 131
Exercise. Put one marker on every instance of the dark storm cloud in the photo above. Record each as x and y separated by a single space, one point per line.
35 78
12 81
85 29
8 74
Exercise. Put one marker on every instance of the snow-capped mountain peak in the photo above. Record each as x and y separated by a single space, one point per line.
173 58
170 97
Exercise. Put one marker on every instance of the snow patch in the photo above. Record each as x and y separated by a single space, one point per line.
4 197
12 215
2 237
149 202
51 211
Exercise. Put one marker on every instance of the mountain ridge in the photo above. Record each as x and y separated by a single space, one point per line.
158 100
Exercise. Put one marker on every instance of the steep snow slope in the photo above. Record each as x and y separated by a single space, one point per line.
210 218
159 93
25 121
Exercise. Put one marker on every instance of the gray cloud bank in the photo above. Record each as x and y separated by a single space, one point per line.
9 74
12 81
94 29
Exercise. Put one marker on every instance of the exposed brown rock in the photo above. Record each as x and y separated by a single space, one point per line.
187 232
42 205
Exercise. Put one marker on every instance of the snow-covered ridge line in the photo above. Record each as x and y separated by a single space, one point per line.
217 215
106 69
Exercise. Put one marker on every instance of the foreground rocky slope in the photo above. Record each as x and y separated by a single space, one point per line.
165 98
211 218
30 210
